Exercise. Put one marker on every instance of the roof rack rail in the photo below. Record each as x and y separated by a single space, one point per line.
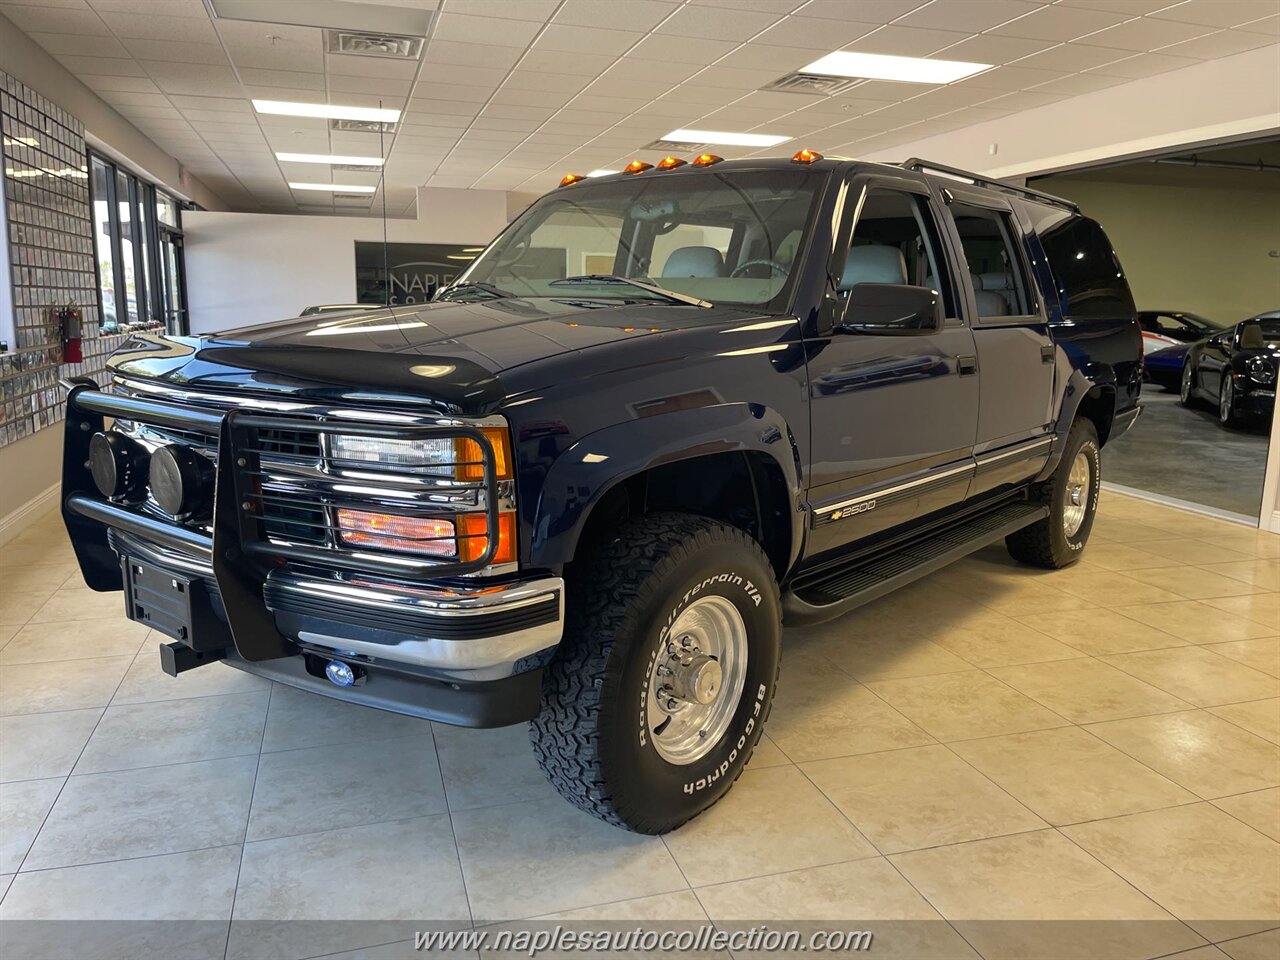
922 166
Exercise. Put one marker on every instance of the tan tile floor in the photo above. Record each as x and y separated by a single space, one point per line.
999 762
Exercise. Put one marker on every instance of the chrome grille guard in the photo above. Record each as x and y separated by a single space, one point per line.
238 550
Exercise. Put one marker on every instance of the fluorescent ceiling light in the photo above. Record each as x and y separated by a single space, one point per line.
329 111
602 173
329 158
332 187
726 138
878 66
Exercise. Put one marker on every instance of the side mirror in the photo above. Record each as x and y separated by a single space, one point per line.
892 309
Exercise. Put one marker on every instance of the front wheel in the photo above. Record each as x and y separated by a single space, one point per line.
1186 391
662 683
1227 414
1072 494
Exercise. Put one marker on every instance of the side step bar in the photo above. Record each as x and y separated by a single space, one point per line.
836 591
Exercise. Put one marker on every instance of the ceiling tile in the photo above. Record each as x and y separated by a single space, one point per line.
989 48
151 27
193 79
1216 13
454 74
273 46
468 54
133 98
349 65
814 32
30 19
1025 99
1145 65
539 80
137 84
168 8
456 91
567 39
906 41
681 49
870 11
507 111
780 60
1072 57
377 87
104 66
79 44
742 81
447 108
487 30
1008 79
1223 44
290 79
709 23
1059 23
1130 8
1268 25
1145 34
580 64
206 53
973 16
1075 85
514 96
641 15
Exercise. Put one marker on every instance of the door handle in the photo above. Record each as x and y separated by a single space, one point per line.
967 365
1046 353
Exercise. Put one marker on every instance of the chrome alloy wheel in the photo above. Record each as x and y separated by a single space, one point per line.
1226 397
1079 486
696 680
1185 392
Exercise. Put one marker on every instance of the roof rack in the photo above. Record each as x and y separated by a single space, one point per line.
923 166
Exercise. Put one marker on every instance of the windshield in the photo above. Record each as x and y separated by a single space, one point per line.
723 237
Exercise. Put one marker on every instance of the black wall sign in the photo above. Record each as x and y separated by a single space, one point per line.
417 269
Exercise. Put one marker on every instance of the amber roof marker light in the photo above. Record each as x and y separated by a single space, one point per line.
670 163
806 156
637 166
706 159
570 179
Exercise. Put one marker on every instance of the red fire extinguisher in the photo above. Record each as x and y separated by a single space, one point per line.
71 324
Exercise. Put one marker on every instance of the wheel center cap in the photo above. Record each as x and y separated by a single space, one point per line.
1076 497
697 679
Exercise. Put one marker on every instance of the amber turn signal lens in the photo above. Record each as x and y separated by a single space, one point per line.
473 537
470 461
806 156
431 536
670 163
637 166
571 178
706 159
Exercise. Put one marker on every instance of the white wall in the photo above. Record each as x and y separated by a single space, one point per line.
1233 97
256 267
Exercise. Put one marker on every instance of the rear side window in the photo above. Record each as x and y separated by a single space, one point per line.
996 268
1085 269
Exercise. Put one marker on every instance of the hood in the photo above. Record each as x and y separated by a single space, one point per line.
450 353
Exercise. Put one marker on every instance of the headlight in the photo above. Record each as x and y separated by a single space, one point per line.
458 457
1260 370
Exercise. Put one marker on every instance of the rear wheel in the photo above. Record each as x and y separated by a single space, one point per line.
1072 495
1186 391
662 683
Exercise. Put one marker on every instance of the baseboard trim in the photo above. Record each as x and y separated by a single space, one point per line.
1200 508
13 524
1275 522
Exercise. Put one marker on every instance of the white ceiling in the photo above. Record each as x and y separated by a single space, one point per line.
511 94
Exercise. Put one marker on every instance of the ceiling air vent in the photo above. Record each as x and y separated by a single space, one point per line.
374 44
814 84
673 146
362 126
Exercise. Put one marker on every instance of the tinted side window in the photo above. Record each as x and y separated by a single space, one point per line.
995 265
1085 268
901 223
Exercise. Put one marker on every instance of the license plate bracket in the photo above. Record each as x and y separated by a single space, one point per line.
175 605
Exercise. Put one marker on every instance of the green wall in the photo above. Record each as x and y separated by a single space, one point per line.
1203 250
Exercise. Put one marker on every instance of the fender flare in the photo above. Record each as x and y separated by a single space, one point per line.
582 475
1083 381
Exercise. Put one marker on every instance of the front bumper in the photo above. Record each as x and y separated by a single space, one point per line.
1256 401
465 650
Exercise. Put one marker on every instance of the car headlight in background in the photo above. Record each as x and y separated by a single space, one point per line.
1260 370
458 456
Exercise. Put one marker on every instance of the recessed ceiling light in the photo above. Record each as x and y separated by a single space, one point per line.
333 187
329 158
602 173
878 66
727 138
330 111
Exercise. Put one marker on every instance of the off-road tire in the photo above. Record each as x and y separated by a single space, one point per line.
1046 543
590 738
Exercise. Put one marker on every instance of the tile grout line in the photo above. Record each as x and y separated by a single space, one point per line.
453 833
248 816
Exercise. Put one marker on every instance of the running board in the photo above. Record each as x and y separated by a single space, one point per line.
836 591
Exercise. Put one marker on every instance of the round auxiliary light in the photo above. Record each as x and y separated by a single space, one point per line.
670 163
340 674
118 465
706 159
571 178
637 166
181 481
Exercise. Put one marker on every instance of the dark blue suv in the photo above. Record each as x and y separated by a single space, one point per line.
664 413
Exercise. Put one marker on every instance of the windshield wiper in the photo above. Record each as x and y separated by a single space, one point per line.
475 286
671 295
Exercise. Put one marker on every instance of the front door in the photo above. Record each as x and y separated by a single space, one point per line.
893 416
1016 355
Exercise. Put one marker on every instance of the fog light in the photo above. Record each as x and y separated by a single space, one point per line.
181 481
119 466
340 674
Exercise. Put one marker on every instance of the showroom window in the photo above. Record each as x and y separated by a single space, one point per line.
995 266
137 232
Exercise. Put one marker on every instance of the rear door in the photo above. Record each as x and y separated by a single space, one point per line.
1016 356
892 417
